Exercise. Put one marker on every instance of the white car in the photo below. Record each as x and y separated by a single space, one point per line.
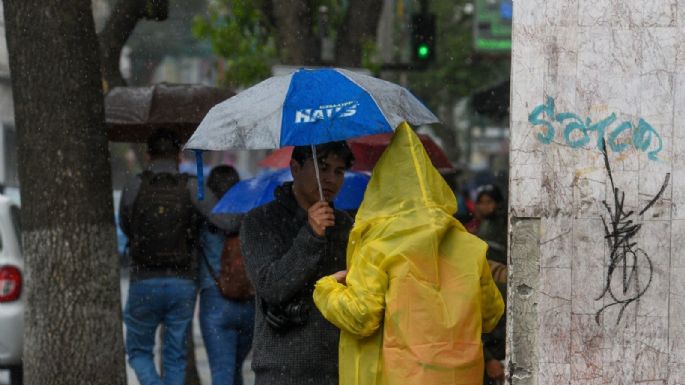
11 293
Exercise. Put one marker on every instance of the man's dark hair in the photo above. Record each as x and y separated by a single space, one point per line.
302 153
221 179
163 143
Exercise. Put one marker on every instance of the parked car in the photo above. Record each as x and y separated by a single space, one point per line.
11 294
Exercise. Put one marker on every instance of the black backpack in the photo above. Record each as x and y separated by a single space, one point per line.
162 222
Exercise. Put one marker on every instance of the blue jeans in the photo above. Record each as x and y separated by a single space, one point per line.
227 328
151 302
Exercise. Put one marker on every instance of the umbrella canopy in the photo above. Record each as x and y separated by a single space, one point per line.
367 150
133 113
308 107
250 193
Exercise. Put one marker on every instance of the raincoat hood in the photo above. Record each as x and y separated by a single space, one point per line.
404 180
418 291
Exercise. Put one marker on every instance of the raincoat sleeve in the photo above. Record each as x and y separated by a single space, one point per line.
278 275
358 307
492 305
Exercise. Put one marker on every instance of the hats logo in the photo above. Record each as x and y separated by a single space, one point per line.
326 112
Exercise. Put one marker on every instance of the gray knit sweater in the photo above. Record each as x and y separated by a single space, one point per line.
284 259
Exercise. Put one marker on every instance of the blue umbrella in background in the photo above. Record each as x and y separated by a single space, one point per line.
250 193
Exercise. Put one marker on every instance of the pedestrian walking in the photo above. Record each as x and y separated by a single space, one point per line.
160 216
226 323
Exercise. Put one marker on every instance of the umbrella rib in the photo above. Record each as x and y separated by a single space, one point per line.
370 95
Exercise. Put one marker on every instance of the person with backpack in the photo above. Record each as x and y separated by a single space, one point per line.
227 305
159 213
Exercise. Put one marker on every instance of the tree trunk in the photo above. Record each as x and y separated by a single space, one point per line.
359 26
73 326
143 68
447 131
119 28
296 42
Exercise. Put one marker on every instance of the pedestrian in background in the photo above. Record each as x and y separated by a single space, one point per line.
160 216
490 225
288 245
226 323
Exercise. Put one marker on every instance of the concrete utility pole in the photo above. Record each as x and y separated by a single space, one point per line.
597 261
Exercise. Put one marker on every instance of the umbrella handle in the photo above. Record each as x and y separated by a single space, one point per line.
200 175
316 169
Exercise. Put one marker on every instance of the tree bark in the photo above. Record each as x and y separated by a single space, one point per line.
359 26
73 326
296 42
119 28
447 131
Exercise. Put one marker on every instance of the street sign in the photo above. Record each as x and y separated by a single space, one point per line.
492 26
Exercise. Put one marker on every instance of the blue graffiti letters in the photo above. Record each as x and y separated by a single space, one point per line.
548 109
614 145
575 124
578 132
642 139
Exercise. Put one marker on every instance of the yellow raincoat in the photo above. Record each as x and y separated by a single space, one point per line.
419 289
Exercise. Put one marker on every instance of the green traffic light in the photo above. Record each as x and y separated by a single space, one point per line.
423 51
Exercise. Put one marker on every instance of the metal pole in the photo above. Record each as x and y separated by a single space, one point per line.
316 169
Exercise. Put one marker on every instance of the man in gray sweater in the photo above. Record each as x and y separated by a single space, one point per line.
288 245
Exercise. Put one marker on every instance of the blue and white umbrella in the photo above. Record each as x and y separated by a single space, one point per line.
307 107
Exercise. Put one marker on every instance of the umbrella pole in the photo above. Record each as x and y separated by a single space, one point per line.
200 175
316 169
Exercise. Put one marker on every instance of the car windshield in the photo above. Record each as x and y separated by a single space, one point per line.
16 222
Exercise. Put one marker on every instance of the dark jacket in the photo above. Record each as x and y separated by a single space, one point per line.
284 259
493 230
494 342
128 196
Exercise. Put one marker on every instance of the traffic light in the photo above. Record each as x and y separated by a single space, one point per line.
423 38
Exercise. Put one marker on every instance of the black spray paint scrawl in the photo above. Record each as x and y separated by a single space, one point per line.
626 259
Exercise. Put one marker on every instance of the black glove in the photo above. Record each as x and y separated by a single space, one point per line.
290 315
